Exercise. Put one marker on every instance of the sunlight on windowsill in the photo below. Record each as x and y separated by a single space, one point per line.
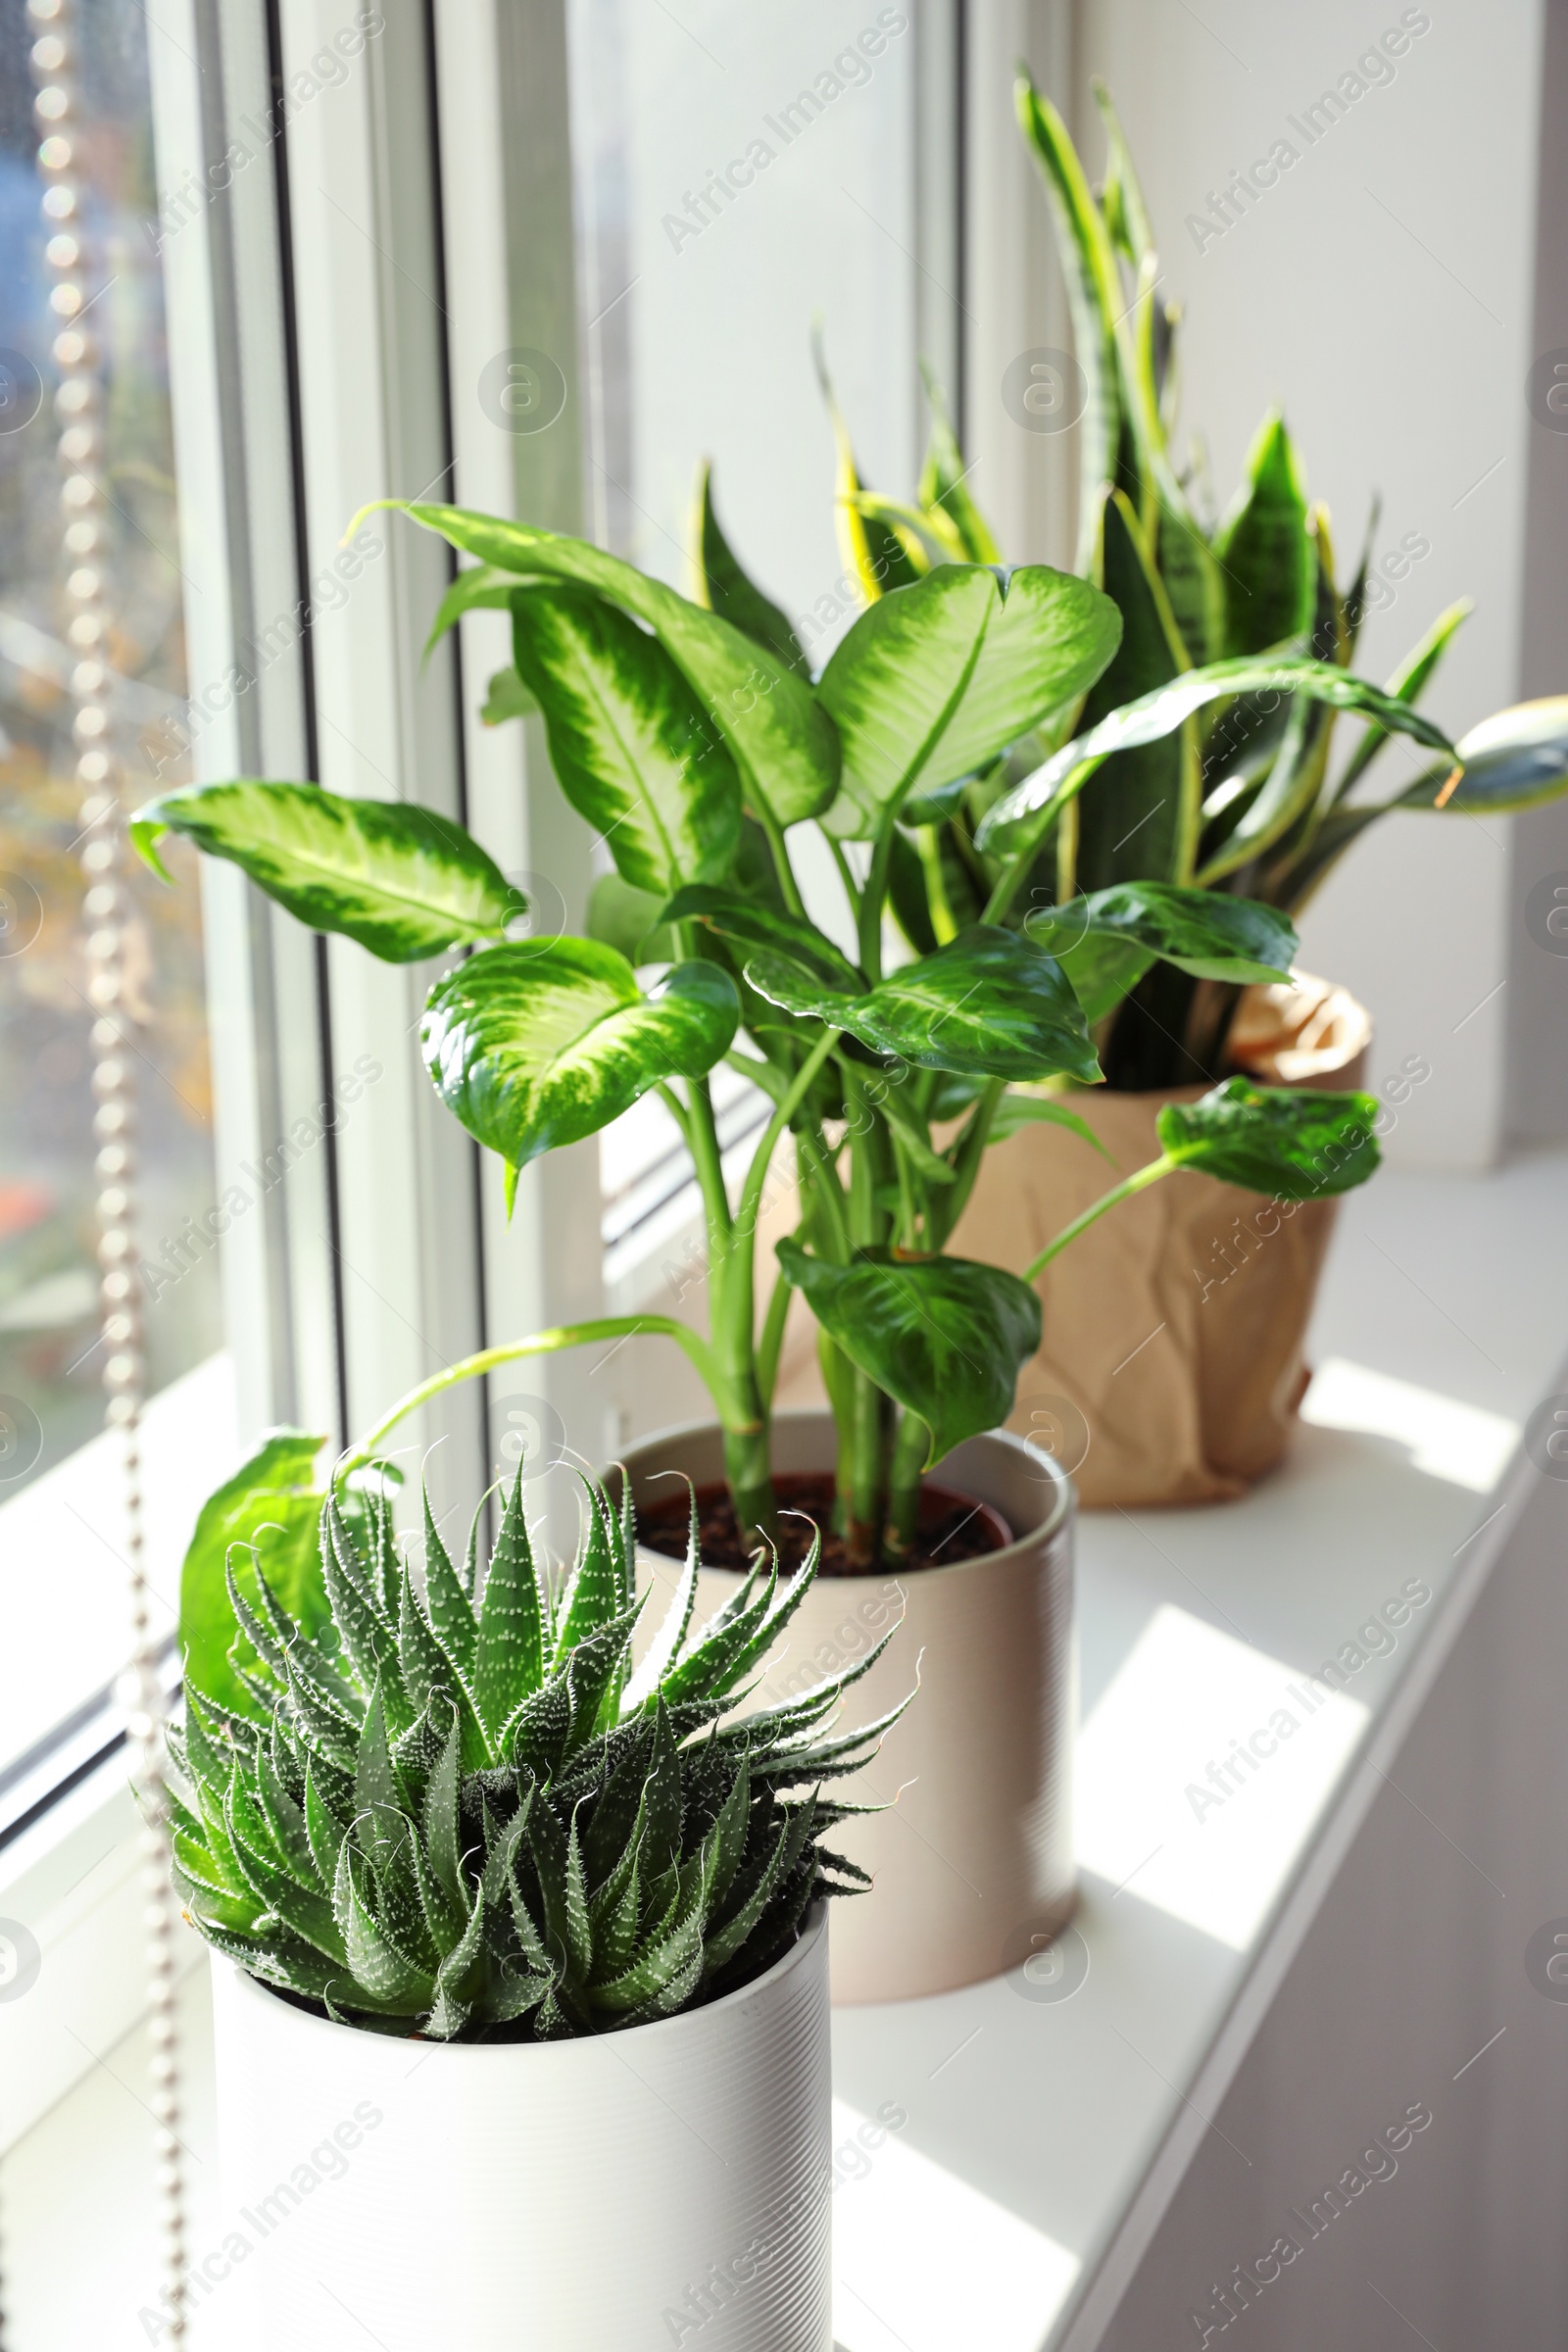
1202 1770
897 2218
1463 1443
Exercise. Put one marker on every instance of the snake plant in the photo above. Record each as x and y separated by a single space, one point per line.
1196 759
459 1809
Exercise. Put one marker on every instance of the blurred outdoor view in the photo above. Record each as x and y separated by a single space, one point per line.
49 1359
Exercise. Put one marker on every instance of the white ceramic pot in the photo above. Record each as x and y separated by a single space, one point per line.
621 2192
973 1863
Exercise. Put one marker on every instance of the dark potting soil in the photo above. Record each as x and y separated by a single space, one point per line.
952 1526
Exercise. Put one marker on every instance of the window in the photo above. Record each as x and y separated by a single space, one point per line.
91 619
748 176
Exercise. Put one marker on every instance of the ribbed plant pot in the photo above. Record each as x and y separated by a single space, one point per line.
617 2193
973 1862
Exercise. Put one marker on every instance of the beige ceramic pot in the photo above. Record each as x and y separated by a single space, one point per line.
972 1859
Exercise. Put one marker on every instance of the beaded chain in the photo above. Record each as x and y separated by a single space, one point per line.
106 911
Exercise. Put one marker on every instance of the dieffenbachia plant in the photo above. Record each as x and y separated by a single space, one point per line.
1201 755
689 734
456 1806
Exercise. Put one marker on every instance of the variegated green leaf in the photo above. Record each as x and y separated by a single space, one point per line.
536 1048
403 881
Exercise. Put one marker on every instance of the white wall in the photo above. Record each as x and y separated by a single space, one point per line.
1383 291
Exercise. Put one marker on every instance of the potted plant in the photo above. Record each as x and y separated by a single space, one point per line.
1241 798
693 743
518 1918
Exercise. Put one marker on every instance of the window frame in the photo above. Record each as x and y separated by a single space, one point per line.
329 317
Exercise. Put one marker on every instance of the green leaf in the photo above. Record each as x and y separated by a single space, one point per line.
1265 556
935 678
629 742
722 584
874 556
594 1594
1294 1143
442 1835
944 481
531 1048
506 696
1286 798
1095 298
1141 814
1407 686
1514 760
272 1501
323 1827
1017 1111
1122 197
989 1003
1046 791
1206 932
400 879
748 923
378 1813
944 1336
377 1963
509 1659
627 920
782 744
447 1597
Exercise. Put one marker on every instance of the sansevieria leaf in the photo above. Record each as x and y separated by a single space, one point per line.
1513 759
1266 559
401 880
1053 784
535 1047
722 584
1141 813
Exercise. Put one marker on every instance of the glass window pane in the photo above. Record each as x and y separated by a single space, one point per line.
90 604
747 172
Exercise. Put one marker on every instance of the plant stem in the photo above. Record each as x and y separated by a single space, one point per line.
770 1340
732 1317
1138 1182
944 1213
943 920
1067 854
868 920
909 1449
865 1499
701 1135
827 1193
1017 867
748 1473
540 1343
738 1305
787 883
677 1108
852 888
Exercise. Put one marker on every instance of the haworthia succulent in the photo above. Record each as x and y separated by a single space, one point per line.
481 1825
